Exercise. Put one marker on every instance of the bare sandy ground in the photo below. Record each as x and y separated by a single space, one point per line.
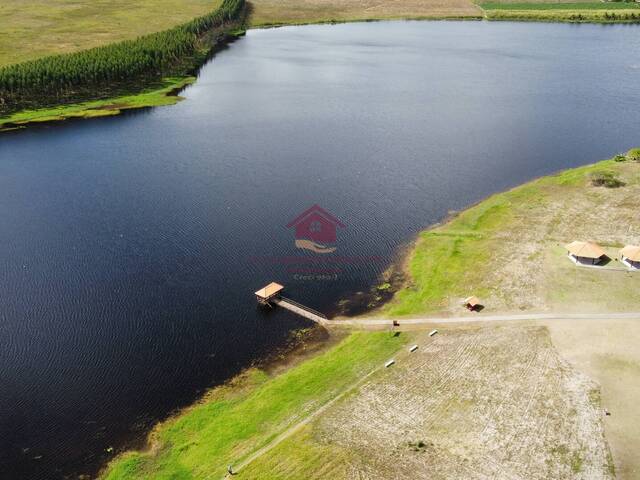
607 351
472 403
531 271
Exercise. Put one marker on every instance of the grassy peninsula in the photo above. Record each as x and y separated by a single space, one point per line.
160 94
509 248
342 414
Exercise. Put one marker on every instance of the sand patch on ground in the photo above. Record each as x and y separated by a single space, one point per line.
607 351
480 403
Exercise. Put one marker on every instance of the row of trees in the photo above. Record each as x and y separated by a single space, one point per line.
151 55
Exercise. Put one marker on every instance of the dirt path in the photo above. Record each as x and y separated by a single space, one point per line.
428 322
294 428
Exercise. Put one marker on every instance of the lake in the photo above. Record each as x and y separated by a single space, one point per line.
131 246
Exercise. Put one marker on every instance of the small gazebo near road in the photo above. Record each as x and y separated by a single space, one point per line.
472 304
585 253
630 256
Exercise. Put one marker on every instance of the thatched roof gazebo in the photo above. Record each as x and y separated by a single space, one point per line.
586 253
630 256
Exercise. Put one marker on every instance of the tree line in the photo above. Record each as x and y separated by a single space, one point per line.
60 76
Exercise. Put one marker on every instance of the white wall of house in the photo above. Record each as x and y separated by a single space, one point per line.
583 260
629 264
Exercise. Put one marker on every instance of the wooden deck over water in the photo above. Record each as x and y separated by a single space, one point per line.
301 310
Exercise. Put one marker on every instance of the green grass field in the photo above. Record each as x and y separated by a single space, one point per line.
628 15
561 6
236 420
33 28
595 12
452 260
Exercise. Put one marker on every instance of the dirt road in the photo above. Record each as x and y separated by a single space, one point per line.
428 322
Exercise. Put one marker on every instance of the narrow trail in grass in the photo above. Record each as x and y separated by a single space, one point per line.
295 428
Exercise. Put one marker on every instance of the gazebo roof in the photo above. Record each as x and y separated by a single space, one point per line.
632 252
270 290
585 249
473 301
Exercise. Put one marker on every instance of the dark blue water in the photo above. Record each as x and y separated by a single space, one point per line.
130 247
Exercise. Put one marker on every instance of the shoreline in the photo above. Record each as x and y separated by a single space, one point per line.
167 92
497 210
134 462
302 344
251 384
401 263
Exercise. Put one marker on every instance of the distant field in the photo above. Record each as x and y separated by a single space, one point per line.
33 28
596 12
561 6
626 15
275 12
572 3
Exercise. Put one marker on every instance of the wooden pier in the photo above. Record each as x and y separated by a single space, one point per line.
271 296
301 310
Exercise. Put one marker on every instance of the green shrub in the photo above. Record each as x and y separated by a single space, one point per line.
634 154
620 158
606 179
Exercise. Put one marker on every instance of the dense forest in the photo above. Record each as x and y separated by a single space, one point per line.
101 70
